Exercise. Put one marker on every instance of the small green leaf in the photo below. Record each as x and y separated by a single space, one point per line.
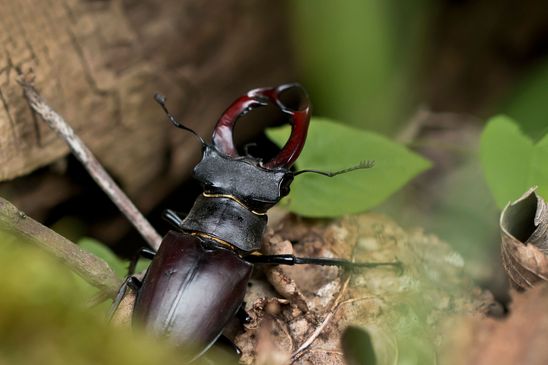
511 162
119 266
98 249
332 146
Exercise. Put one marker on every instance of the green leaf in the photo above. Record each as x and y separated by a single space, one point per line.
99 249
119 266
511 162
331 146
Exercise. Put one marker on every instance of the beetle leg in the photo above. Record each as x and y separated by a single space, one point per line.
119 296
294 260
172 218
147 253
242 315
227 342
132 283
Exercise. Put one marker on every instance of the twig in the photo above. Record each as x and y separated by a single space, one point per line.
327 318
88 266
324 323
332 311
323 351
95 169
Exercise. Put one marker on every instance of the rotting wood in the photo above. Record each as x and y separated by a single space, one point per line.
100 62
95 169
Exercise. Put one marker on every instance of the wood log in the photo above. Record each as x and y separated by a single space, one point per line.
98 64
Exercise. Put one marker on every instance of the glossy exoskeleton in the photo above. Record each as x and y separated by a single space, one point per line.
198 278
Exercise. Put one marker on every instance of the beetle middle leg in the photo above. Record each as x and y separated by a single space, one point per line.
132 283
172 218
144 252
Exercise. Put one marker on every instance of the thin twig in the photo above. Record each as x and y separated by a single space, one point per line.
92 165
326 320
331 312
88 266
324 323
323 351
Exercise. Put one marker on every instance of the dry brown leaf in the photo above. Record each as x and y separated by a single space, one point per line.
518 339
524 230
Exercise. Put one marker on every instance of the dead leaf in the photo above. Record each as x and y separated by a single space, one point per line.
524 228
518 339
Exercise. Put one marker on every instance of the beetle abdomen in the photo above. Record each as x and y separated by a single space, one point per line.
190 293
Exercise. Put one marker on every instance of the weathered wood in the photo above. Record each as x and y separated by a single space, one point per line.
98 64
93 64
70 45
94 168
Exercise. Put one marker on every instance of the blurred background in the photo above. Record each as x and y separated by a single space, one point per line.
424 73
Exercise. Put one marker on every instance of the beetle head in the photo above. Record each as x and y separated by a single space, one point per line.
258 184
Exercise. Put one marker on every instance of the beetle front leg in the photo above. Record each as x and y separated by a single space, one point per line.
131 283
294 260
172 218
144 252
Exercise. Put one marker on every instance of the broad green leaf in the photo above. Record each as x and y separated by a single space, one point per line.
98 249
331 146
512 163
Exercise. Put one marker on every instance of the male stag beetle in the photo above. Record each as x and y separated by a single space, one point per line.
197 279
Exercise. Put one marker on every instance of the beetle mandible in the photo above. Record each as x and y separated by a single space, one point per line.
197 280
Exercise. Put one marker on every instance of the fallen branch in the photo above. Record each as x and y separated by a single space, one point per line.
88 266
92 165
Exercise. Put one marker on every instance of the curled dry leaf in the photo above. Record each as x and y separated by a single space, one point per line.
524 229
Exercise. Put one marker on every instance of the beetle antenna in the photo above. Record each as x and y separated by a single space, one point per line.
160 99
362 165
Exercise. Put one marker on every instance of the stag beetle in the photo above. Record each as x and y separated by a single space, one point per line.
197 280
